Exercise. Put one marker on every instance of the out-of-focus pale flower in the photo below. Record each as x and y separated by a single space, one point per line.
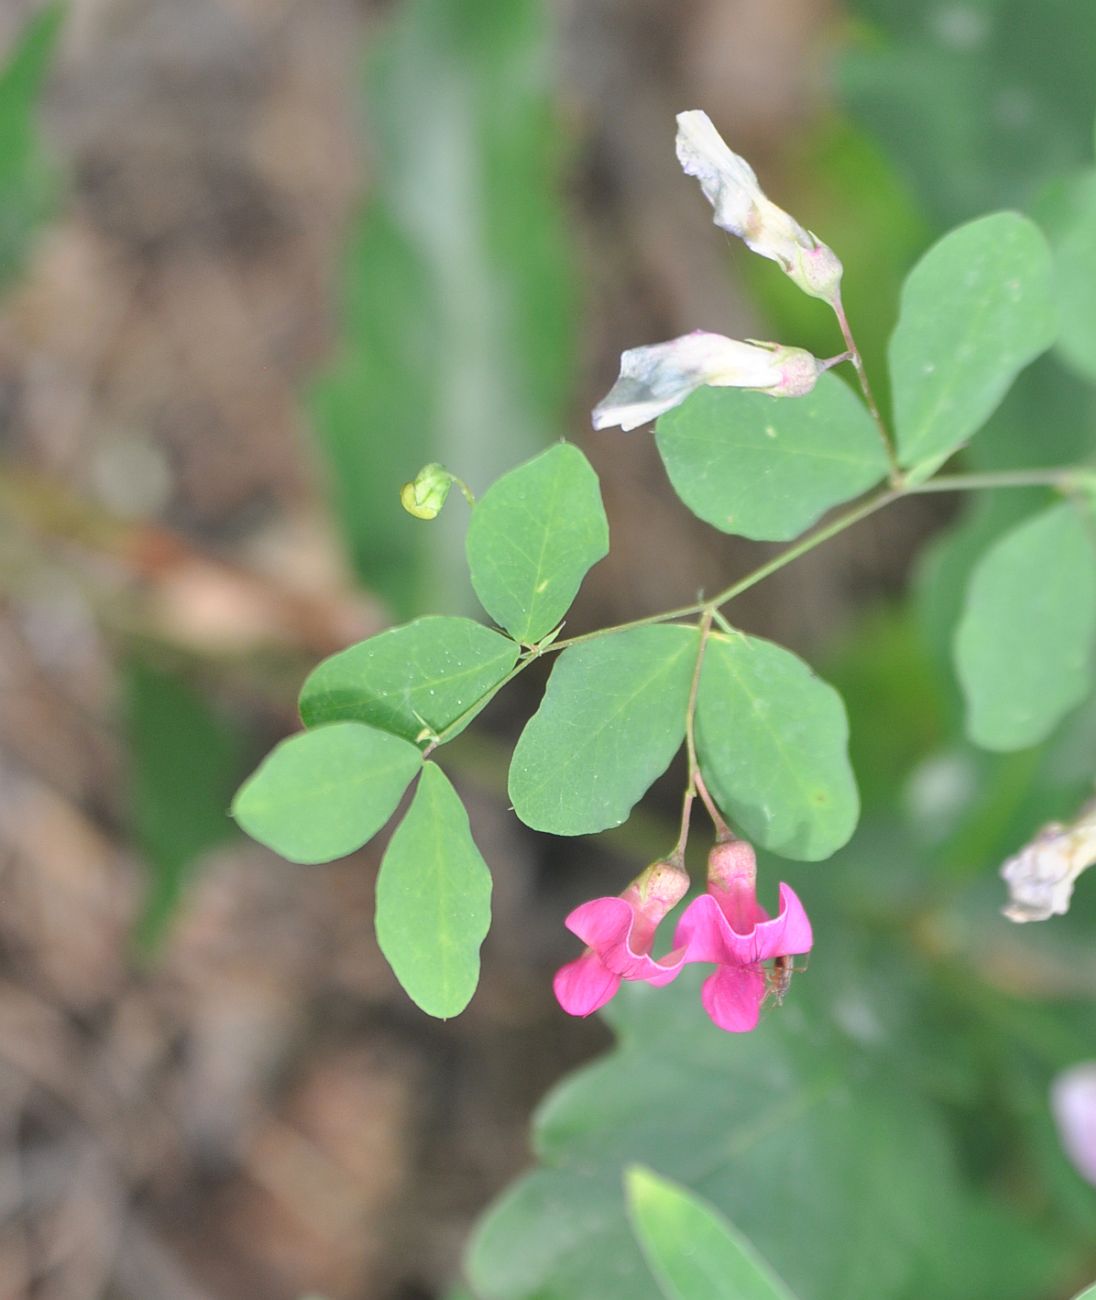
1073 1105
1041 876
661 375
730 186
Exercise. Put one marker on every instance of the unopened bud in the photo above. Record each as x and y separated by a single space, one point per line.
425 495
1041 876
730 185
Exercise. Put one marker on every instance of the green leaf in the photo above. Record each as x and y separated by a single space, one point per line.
423 675
766 467
1069 216
185 761
773 745
28 184
534 535
979 104
975 310
323 793
434 900
693 1252
611 720
1024 647
1089 1293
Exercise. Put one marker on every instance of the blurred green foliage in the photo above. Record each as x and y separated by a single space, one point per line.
185 762
28 182
458 294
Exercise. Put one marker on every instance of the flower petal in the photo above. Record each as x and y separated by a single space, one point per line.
789 932
728 181
583 986
659 376
601 921
732 997
1073 1104
706 932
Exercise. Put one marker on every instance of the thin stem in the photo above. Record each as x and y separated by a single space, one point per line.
865 387
704 627
667 617
722 831
1062 476
867 507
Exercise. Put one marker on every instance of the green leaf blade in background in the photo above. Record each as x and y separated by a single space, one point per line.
693 1252
185 761
434 900
534 535
766 467
781 1130
323 793
1024 646
28 184
612 718
974 311
1068 213
773 745
425 674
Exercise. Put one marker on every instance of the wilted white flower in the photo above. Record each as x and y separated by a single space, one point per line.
730 186
1073 1105
1041 876
661 375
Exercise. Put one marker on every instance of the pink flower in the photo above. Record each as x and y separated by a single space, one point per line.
728 926
620 932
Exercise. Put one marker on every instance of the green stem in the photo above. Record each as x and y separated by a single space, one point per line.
1060 476
1065 477
865 388
866 507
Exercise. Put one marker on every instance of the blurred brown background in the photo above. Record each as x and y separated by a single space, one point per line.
251 1108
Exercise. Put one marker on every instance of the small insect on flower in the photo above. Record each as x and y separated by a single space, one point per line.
778 977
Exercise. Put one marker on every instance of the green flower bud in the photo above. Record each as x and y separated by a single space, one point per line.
425 495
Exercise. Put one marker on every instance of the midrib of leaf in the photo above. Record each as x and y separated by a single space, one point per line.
778 745
773 444
361 776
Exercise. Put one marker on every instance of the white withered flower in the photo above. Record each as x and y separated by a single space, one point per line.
1041 876
661 375
730 186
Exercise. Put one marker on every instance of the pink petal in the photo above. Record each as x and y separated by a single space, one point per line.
601 921
789 932
700 931
612 927
583 986
655 972
708 935
732 997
